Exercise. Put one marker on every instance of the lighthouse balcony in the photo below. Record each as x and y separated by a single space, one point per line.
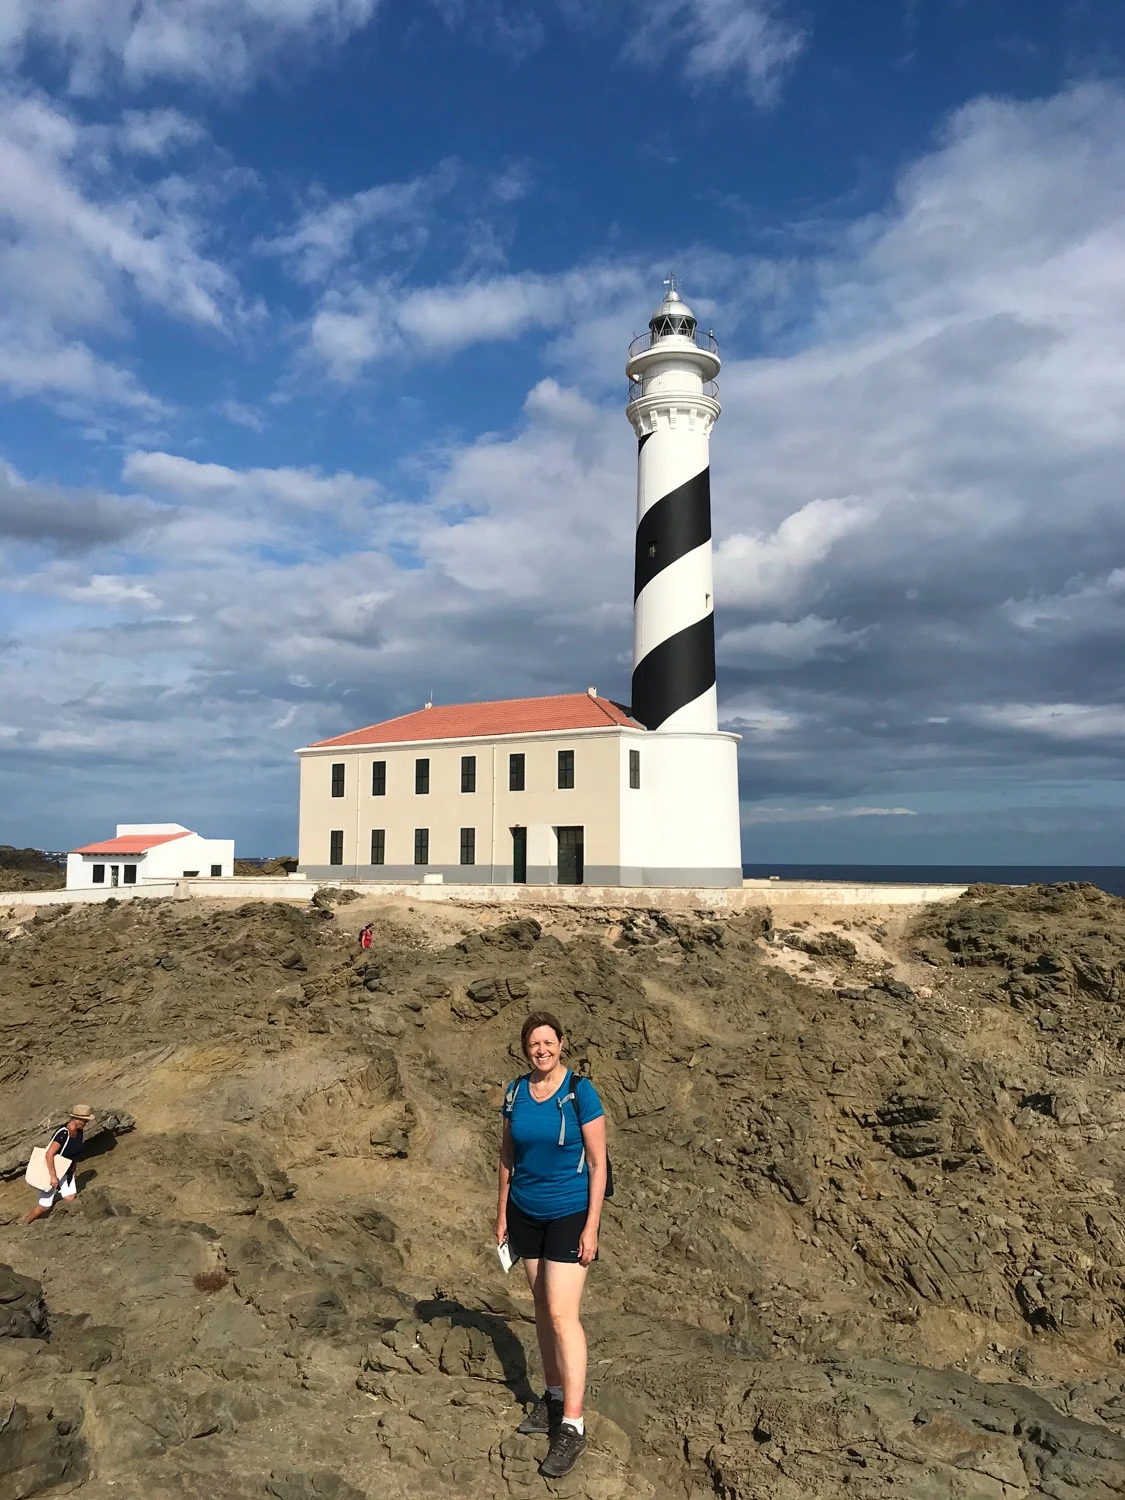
674 336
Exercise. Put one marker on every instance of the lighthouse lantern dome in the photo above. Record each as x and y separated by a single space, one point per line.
673 316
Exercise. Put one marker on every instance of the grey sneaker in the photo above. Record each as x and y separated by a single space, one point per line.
567 1447
544 1416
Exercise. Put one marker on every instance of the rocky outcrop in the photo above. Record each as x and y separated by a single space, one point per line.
867 1237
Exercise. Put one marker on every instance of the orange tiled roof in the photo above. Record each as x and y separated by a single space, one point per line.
455 721
131 843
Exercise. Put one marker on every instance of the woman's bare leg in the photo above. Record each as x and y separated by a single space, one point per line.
544 1331
563 1288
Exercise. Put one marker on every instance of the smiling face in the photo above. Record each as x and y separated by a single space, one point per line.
543 1049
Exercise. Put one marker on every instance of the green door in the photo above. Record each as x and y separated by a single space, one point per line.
572 856
519 856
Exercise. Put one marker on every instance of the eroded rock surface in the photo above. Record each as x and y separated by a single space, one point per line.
867 1239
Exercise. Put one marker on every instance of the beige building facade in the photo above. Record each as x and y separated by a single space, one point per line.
567 805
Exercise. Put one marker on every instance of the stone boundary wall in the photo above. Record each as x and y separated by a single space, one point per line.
771 893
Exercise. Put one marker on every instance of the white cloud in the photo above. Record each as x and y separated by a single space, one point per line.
784 642
325 234
157 132
355 326
81 242
772 570
215 484
1059 721
820 813
746 40
219 43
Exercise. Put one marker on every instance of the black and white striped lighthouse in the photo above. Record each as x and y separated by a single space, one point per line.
673 405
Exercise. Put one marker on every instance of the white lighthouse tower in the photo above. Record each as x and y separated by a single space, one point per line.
673 406
694 832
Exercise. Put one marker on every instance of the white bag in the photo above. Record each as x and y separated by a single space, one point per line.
37 1175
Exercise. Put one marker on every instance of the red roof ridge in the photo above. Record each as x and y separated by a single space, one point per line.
131 843
555 712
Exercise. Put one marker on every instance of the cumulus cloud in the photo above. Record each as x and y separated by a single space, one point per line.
83 241
218 43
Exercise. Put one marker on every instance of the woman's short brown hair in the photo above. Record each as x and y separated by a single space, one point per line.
536 1019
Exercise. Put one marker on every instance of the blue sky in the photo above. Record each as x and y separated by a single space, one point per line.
312 328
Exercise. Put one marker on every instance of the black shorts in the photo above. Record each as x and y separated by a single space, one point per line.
545 1239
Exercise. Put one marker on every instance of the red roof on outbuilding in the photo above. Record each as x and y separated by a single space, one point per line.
131 843
456 721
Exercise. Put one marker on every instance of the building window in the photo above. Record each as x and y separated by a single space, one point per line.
378 846
129 874
378 778
566 770
421 846
468 846
516 772
421 777
336 847
98 874
634 770
468 774
216 871
338 780
188 874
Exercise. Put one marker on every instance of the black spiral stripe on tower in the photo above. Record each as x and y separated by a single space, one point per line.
674 673
671 528
676 670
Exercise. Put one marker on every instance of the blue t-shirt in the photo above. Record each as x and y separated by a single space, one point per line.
550 1179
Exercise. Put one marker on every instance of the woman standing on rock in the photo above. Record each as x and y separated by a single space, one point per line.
552 1182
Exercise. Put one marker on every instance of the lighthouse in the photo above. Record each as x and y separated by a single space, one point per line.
577 788
673 405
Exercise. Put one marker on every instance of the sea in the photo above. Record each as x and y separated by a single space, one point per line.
1110 878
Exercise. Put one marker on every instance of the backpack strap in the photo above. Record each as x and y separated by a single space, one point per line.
569 1095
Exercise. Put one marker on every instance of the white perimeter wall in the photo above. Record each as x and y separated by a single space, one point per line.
685 815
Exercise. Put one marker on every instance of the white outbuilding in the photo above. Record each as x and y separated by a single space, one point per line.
148 851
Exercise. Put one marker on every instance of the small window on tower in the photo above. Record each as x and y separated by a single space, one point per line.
652 549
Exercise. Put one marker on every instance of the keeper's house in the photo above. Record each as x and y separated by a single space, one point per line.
147 851
563 790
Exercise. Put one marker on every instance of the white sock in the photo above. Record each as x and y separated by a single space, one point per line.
555 1392
578 1423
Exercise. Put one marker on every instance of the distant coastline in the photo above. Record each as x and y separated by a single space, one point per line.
1110 878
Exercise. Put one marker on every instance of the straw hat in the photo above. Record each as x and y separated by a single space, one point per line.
82 1112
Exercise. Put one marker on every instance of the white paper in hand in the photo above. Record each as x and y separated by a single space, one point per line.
507 1259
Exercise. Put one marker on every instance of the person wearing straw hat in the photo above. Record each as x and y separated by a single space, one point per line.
67 1143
